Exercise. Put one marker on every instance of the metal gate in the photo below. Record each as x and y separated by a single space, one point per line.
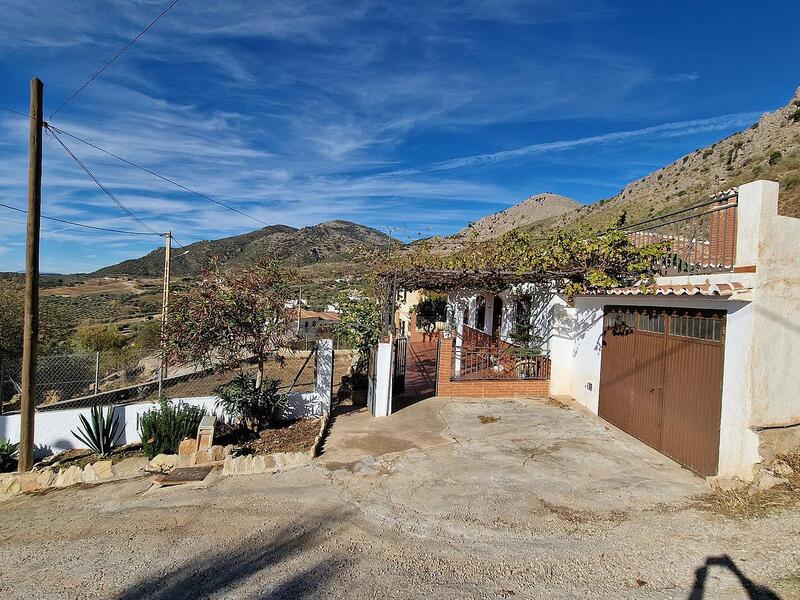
661 380
399 366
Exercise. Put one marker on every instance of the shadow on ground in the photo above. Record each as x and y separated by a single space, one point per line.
269 554
753 590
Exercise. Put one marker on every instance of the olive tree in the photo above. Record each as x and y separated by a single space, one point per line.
229 317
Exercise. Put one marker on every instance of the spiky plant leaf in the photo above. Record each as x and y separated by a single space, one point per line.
8 455
102 433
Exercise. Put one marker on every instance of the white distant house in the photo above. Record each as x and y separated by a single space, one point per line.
294 303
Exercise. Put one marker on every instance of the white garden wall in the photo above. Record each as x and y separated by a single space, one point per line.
52 429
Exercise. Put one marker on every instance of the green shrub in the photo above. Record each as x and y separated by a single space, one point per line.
102 433
164 427
775 157
8 456
252 407
795 116
99 338
791 182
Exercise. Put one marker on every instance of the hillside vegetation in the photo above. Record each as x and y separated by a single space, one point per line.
769 149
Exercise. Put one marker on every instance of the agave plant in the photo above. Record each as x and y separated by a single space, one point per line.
102 433
8 455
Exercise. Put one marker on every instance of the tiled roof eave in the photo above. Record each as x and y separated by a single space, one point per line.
718 290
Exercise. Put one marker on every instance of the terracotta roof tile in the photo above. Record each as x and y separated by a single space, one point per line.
680 289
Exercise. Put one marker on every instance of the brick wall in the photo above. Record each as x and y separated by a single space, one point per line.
723 235
501 388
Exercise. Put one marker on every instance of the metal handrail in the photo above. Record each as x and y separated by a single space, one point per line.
715 200
496 363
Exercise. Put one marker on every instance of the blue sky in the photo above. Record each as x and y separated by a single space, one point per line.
419 116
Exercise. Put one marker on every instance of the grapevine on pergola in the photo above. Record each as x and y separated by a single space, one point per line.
576 261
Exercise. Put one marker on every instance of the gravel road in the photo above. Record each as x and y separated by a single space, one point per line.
522 507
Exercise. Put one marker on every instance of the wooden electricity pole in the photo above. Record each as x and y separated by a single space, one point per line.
31 322
165 305
299 308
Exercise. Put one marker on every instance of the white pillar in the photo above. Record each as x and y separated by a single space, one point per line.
324 374
380 393
757 202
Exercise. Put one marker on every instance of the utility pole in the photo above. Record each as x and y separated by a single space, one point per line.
31 322
165 307
299 309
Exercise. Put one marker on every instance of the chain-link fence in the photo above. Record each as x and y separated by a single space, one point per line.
339 343
78 377
132 375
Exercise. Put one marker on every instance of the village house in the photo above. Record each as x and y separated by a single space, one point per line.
312 322
700 366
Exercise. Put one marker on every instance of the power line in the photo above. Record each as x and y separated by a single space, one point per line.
113 58
154 174
16 112
78 224
108 192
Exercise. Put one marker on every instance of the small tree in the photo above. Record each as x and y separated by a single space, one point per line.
230 317
99 338
148 335
359 324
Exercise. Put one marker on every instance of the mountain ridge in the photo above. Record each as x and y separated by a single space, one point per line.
533 209
327 241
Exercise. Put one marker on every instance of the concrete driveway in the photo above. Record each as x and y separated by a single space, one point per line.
522 451
449 499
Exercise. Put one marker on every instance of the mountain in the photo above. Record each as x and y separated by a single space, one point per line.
769 149
527 213
329 241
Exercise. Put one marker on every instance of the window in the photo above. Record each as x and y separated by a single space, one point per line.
480 313
652 322
698 327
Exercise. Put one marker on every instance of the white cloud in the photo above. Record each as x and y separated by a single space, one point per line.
683 77
299 111
665 130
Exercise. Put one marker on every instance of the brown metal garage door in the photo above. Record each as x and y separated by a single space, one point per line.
661 380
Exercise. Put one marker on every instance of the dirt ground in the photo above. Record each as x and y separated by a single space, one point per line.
432 502
101 286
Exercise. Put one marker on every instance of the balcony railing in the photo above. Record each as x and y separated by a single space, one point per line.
701 239
483 357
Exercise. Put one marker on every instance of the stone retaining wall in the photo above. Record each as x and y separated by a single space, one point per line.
272 463
12 484
101 471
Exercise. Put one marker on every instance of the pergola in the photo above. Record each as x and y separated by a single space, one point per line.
446 280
